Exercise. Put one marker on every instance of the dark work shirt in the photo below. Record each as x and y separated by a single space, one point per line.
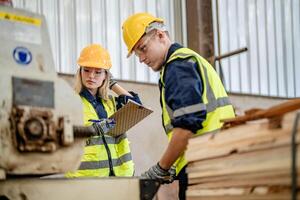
183 88
97 102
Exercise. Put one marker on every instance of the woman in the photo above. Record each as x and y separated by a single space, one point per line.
103 155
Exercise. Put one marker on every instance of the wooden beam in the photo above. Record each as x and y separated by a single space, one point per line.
265 178
250 137
275 159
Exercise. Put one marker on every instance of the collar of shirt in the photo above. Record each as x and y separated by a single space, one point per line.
95 101
171 50
86 94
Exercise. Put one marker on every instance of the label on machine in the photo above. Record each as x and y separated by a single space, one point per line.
31 92
21 28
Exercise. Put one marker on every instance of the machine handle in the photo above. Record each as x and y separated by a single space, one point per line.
84 131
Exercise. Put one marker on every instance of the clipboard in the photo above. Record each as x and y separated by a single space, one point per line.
128 116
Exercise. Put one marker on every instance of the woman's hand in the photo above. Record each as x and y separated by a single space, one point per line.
116 88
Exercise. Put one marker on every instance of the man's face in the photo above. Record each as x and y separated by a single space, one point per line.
150 50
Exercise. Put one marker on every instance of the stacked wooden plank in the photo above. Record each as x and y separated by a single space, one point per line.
250 161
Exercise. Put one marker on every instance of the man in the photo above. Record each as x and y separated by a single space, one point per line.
193 99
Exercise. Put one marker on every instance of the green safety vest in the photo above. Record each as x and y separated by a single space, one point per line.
215 100
94 162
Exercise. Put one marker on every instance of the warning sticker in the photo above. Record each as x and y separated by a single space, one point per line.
20 18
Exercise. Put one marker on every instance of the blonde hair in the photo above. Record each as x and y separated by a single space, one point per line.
102 90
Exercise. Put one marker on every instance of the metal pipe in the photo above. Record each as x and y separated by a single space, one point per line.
84 131
231 53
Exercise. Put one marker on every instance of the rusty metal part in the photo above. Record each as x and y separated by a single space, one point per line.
65 131
34 129
84 131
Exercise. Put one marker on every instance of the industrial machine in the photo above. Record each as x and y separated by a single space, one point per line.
41 129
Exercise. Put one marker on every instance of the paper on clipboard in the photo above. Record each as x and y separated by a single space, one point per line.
128 116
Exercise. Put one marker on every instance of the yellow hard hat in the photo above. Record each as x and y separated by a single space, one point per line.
96 56
134 28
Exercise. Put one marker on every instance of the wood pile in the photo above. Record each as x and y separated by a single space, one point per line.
248 161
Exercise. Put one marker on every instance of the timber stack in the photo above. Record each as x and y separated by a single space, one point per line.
257 156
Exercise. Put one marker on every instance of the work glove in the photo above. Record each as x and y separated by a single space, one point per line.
123 99
160 174
172 172
103 126
112 81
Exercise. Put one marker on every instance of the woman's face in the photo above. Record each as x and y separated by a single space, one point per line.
92 78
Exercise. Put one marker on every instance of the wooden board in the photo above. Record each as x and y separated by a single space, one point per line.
244 138
241 192
245 162
275 159
242 197
272 112
265 178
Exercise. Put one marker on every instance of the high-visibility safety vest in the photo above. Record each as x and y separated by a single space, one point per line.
215 99
95 161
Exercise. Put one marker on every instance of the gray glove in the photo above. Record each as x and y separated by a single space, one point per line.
103 126
112 81
172 172
160 174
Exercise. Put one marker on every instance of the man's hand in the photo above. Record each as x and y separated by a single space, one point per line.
103 126
160 174
172 172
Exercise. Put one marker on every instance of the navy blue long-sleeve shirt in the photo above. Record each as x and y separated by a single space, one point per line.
183 88
98 106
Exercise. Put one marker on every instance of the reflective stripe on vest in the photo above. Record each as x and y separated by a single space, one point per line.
104 163
110 140
95 162
215 100
220 102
